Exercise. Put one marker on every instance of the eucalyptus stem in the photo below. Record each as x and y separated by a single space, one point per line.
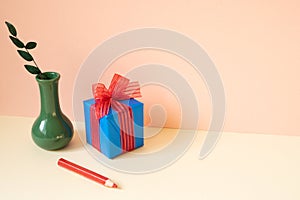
32 58
25 54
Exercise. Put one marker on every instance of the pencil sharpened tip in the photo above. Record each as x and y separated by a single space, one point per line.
115 185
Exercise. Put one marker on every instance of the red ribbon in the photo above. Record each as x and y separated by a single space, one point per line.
120 89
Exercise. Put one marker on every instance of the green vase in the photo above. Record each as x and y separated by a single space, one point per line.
52 130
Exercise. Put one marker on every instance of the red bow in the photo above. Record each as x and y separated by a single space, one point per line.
120 89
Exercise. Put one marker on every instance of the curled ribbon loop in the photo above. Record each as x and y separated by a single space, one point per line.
120 89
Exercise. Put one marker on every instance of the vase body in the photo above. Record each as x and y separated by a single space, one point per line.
52 130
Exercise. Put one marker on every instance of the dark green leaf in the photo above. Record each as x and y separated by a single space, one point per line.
17 42
32 69
11 29
30 45
25 55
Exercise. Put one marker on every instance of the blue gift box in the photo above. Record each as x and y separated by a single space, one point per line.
109 128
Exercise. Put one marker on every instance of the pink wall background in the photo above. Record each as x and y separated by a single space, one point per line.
254 45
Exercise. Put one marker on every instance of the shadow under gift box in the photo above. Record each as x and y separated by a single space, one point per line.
109 129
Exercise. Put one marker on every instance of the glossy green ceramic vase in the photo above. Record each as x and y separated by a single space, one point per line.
52 130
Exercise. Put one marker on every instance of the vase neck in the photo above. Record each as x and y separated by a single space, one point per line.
49 97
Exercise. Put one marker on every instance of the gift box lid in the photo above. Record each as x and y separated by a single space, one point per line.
129 102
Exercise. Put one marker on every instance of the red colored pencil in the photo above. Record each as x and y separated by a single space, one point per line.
86 173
